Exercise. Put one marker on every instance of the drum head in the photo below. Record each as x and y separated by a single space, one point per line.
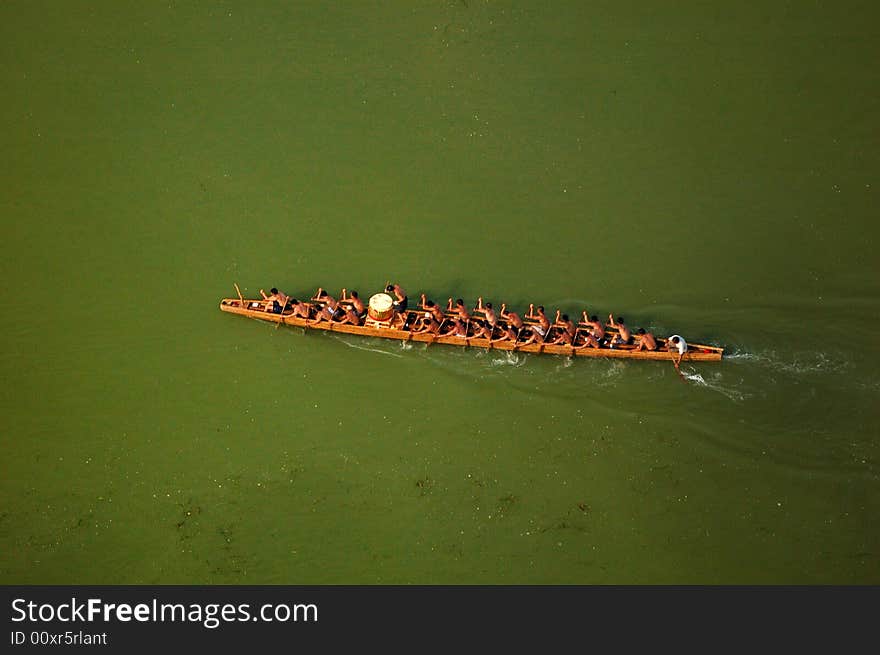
381 302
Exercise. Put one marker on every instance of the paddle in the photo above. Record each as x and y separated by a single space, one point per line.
516 340
677 369
437 333
240 297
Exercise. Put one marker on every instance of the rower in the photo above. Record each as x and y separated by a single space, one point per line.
331 310
481 329
460 309
540 329
430 325
276 302
430 306
567 330
355 302
646 340
623 336
676 344
458 329
589 340
512 318
487 311
350 316
595 326
301 309
508 333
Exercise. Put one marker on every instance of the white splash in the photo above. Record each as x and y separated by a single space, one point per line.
372 350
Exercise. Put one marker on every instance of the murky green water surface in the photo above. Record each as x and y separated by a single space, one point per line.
705 169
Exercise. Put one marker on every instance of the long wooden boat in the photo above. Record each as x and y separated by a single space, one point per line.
254 308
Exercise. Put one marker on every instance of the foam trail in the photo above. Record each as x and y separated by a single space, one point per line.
508 359
699 380
372 350
799 363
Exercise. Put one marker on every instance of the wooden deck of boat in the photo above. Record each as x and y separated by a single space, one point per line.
695 353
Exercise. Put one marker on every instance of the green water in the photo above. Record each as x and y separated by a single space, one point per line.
702 168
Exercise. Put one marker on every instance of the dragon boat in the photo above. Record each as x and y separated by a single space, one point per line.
384 323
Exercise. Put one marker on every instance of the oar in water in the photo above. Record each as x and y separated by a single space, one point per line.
489 340
676 364
281 313
437 333
516 340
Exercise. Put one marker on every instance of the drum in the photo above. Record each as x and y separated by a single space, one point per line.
381 307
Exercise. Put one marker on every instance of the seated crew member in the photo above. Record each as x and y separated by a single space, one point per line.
487 311
589 340
349 316
354 300
566 328
323 313
676 344
646 340
458 328
542 328
430 306
275 302
429 325
623 336
301 309
512 318
481 329
508 333
595 326
330 310
460 309
329 302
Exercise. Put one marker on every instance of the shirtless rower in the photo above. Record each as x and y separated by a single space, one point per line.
354 300
301 309
567 330
275 302
458 329
595 326
512 318
430 306
481 329
331 310
349 316
508 333
542 328
676 344
430 325
623 336
460 309
646 340
487 311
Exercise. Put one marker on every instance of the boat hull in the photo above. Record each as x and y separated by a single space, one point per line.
695 353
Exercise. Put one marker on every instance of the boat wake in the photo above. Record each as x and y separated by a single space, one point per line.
508 359
799 363
714 384
372 350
